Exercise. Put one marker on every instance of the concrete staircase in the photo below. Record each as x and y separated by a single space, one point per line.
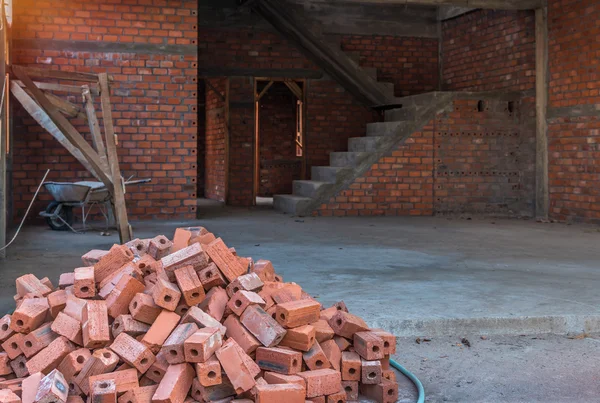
344 167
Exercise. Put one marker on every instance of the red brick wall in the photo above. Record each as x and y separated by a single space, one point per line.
464 161
574 153
153 95
489 50
279 166
216 129
411 64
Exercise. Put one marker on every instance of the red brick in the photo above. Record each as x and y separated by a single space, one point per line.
232 360
162 327
190 285
159 247
209 372
262 326
84 285
175 385
351 366
133 352
50 357
201 345
224 259
279 360
291 393
143 308
297 313
321 382
345 324
173 348
35 341
237 332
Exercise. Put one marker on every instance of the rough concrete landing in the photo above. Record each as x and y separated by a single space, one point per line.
413 276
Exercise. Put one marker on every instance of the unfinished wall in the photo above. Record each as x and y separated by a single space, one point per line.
410 63
574 123
279 166
216 131
150 50
463 161
488 50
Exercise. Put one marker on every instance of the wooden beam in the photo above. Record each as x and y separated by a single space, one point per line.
125 233
94 126
46 122
71 89
264 91
60 75
66 128
487 4
542 196
294 88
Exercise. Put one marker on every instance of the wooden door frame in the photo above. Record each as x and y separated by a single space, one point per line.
257 99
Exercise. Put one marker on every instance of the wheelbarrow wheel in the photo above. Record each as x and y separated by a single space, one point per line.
66 213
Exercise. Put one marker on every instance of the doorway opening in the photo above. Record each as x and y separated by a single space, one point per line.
279 147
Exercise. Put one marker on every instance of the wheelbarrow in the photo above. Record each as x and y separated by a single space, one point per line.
86 194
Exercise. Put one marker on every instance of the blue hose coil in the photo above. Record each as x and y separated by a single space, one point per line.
412 377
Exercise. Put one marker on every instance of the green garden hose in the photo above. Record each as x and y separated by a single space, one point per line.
412 377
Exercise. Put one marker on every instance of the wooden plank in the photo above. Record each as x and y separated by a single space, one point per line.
66 128
94 125
294 88
113 161
44 120
61 75
63 105
542 198
71 89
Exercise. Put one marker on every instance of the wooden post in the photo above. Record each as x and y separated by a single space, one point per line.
94 125
125 233
3 140
227 140
542 201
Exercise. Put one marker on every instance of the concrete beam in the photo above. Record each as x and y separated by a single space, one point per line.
104 47
487 4
449 12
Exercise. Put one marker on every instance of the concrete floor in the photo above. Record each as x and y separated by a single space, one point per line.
417 277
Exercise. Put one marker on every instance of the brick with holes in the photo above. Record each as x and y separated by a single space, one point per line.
104 391
385 392
5 368
57 301
262 326
159 247
142 394
209 372
175 385
339 397
333 353
143 308
215 303
147 265
158 368
166 294
202 319
30 315
321 382
95 329
173 346
66 326
30 284
19 366
371 372
201 345
227 263
50 356
192 255
243 299
351 390
35 341
162 327
368 345
133 352
84 285
101 361
297 313
189 285
126 324
13 344
117 257
139 246
315 358
232 359
124 380
247 282
119 299
53 388
264 270
279 360
389 341
73 363
351 366
241 335
107 286
5 329
345 324
30 387
299 338
221 392
211 277
343 343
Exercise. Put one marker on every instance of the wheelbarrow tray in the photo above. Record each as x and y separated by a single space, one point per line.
71 192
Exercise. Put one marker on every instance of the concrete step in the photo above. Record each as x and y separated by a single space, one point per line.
400 114
381 129
290 204
326 174
346 159
310 189
364 144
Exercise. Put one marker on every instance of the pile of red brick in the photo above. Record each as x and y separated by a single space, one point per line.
181 321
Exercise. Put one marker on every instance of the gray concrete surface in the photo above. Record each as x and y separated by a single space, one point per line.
508 369
414 276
